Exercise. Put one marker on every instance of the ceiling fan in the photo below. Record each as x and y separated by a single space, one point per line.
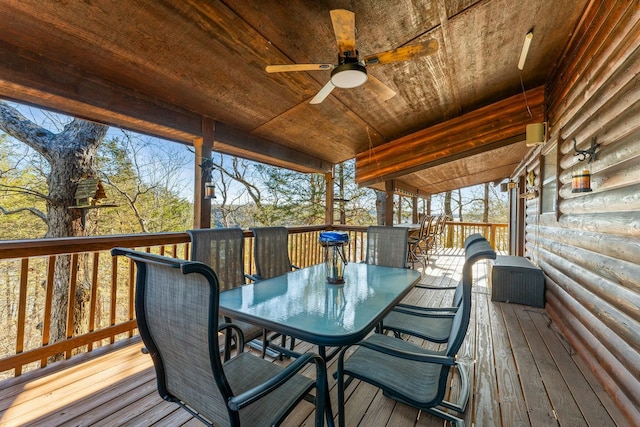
351 71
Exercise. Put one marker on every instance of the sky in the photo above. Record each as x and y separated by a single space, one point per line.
157 154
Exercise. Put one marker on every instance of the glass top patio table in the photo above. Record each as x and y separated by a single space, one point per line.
303 305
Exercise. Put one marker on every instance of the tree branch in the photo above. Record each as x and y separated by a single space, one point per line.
21 128
34 211
23 190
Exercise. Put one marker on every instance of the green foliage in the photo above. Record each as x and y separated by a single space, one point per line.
291 198
20 183
143 179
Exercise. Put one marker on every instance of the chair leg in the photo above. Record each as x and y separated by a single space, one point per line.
461 404
341 385
265 342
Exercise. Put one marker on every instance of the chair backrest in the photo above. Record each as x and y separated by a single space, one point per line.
271 251
222 250
471 239
387 246
441 222
480 249
424 225
176 306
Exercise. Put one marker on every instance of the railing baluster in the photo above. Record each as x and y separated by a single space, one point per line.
94 295
22 308
71 299
114 289
46 321
131 293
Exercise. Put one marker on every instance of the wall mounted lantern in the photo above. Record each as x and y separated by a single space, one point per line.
209 190
209 185
581 175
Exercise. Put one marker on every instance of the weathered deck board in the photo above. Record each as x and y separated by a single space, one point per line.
521 371
511 400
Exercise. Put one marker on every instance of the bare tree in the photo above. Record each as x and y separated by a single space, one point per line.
70 155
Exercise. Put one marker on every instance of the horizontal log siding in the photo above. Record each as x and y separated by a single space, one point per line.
590 253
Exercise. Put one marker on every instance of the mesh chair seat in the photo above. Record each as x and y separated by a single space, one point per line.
434 323
400 377
275 405
428 326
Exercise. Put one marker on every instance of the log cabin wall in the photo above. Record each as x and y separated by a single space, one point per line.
589 247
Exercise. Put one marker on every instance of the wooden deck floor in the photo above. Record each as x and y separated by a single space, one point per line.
523 373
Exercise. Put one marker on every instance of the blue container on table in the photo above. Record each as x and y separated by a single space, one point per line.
334 258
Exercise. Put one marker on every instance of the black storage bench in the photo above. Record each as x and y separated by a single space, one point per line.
515 279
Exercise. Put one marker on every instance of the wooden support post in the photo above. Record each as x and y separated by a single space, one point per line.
202 171
328 212
388 215
414 216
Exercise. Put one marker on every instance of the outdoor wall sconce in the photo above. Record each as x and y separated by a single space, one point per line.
581 175
209 190
506 186
209 186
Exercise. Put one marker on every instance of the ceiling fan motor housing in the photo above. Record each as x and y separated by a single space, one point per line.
349 75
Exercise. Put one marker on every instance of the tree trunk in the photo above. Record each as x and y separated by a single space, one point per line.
449 212
71 155
381 206
71 160
485 212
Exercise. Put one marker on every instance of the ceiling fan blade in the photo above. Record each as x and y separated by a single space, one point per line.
344 27
297 67
412 51
323 93
381 90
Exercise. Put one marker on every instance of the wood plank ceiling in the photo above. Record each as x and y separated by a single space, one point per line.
160 66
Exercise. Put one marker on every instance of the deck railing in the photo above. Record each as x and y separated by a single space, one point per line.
27 269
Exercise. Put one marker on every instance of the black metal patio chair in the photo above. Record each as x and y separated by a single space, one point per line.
222 249
411 374
434 323
176 306
271 252
387 246
271 257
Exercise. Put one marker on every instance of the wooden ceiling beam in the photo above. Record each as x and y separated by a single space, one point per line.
30 78
233 141
486 128
65 89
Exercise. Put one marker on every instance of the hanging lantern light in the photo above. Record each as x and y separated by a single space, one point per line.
209 190
581 174
209 185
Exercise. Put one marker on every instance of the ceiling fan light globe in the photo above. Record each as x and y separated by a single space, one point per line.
347 76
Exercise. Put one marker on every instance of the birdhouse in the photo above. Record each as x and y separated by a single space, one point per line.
89 194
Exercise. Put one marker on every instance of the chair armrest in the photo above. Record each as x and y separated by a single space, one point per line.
436 288
237 330
425 313
294 267
418 357
248 397
426 309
